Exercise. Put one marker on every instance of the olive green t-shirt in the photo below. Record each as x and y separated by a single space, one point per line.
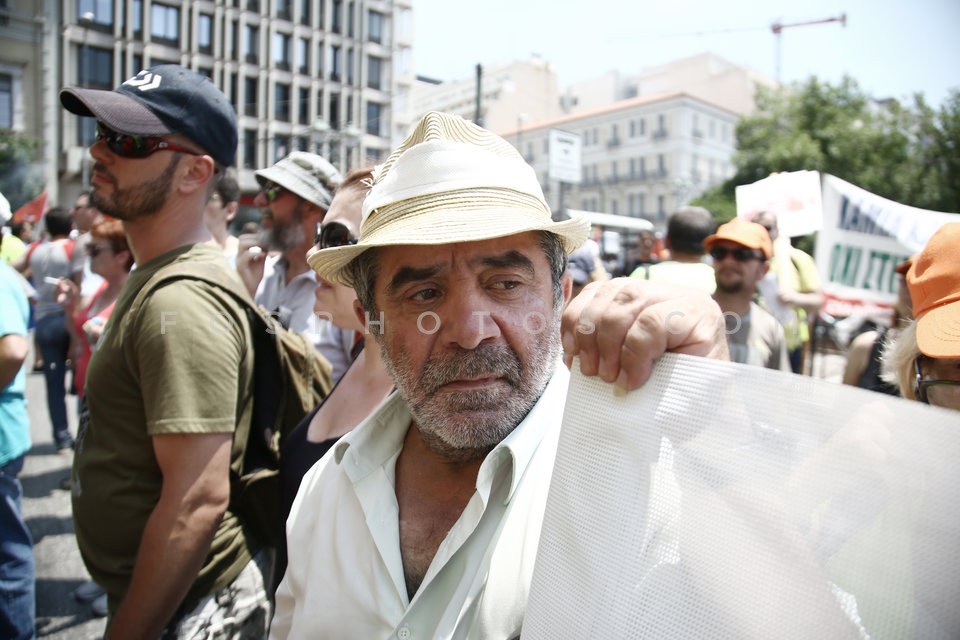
180 363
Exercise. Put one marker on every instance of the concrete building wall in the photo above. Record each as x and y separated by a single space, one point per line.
317 74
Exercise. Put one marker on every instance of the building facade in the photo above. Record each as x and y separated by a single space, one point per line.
510 95
643 157
321 75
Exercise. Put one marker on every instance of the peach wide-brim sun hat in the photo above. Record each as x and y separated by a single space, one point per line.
934 284
450 181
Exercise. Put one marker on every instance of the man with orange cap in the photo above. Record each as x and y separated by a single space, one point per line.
926 355
741 252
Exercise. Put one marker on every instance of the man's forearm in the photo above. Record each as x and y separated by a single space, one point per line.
175 543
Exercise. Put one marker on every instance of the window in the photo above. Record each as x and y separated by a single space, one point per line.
303 106
661 165
233 45
165 23
373 72
281 50
250 96
281 147
102 11
6 101
305 11
250 149
137 17
136 65
350 66
336 24
350 12
375 26
336 63
333 112
283 9
281 107
374 113
205 32
252 43
234 90
303 55
643 126
95 68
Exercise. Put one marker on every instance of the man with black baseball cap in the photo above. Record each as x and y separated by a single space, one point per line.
171 377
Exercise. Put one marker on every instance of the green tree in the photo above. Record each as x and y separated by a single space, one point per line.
21 177
907 153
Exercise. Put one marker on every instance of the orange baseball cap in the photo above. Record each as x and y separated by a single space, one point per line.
749 234
934 284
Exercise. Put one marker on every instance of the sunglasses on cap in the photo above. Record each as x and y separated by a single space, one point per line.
741 254
130 146
333 234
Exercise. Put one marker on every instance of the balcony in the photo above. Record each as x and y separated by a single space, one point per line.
613 142
659 134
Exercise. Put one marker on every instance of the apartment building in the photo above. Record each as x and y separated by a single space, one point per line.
641 157
510 95
321 75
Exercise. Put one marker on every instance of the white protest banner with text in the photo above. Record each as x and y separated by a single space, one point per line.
864 237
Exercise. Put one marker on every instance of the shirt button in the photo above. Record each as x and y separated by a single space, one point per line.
404 633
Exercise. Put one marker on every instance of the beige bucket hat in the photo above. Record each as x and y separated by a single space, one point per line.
450 181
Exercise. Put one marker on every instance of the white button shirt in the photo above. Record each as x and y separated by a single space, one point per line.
345 575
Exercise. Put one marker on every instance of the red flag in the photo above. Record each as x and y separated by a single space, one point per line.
33 210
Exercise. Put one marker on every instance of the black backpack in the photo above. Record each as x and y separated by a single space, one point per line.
290 378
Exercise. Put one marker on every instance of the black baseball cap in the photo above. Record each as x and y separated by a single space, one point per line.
161 101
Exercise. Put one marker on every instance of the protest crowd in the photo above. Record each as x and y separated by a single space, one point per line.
345 422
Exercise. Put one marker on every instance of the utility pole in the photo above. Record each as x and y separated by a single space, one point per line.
778 27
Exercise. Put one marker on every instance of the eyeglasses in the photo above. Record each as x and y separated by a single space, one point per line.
93 250
130 146
742 254
272 191
334 234
941 393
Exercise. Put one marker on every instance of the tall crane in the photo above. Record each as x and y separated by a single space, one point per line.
778 27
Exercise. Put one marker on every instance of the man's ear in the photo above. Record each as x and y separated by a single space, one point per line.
566 283
197 172
764 267
361 314
231 211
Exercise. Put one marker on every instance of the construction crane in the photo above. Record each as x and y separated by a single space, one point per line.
778 27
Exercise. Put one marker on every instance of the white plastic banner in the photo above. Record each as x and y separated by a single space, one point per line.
725 501
864 237
793 196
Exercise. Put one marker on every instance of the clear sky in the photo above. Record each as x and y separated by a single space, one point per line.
892 48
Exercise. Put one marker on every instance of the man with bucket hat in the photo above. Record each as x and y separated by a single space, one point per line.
424 520
741 253
295 194
171 377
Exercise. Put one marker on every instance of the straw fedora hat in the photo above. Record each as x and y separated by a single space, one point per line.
450 181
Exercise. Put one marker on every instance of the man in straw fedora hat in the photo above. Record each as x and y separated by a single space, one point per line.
425 519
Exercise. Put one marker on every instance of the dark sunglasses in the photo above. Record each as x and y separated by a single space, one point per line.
333 234
129 146
272 191
93 250
740 255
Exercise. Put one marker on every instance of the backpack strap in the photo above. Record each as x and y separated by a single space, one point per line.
241 453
